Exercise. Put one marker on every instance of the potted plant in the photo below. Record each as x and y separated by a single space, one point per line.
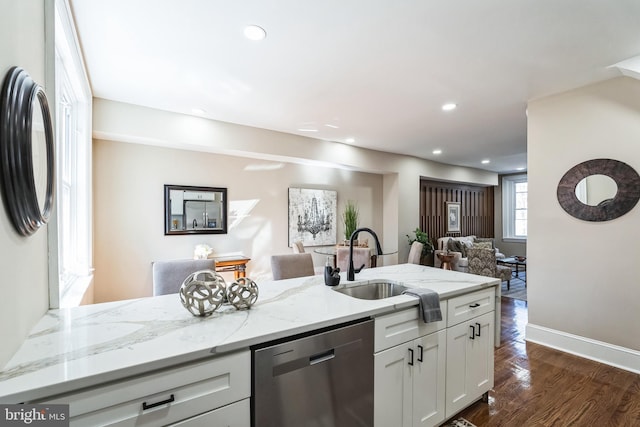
350 219
423 238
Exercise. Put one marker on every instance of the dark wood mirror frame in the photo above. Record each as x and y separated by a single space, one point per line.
194 210
21 98
627 196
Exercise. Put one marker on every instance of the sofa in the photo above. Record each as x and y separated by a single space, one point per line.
458 245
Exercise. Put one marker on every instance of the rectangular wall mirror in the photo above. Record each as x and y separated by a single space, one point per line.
194 210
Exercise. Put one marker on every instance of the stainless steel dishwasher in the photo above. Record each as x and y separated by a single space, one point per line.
321 380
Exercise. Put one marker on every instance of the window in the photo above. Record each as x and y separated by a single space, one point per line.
514 207
73 151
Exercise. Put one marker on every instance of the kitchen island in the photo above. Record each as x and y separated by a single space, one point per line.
72 349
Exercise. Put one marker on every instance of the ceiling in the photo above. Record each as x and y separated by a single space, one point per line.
377 71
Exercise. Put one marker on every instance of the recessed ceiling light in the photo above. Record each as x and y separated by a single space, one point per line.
486 161
448 107
307 130
198 111
438 151
254 32
332 126
350 140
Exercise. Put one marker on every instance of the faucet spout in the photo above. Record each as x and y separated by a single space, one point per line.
351 272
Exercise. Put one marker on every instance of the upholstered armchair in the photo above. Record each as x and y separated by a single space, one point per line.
289 266
169 275
361 256
483 262
298 247
415 253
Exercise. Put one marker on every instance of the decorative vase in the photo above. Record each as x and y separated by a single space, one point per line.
243 293
202 292
202 251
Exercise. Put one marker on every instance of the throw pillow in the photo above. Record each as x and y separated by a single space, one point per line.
456 246
485 239
482 245
466 240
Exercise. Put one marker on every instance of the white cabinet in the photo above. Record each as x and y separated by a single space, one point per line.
470 338
427 372
205 196
168 396
409 383
409 376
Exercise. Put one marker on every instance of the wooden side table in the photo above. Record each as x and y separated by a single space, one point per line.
237 264
446 260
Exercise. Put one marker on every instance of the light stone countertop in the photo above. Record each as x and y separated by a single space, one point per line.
83 346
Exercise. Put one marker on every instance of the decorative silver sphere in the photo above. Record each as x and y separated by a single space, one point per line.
202 292
242 293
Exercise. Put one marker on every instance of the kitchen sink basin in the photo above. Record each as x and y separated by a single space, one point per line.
373 290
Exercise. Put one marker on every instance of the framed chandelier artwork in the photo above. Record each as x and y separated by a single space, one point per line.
312 216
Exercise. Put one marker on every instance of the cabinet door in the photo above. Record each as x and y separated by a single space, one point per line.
469 362
480 357
429 379
393 387
176 200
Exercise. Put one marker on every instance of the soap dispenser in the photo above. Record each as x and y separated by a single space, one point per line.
331 275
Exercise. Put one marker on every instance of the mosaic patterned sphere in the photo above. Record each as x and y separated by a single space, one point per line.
242 293
202 292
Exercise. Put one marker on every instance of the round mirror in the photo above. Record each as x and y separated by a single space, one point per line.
594 190
615 186
26 152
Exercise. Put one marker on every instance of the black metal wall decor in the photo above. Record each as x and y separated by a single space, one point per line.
627 196
26 152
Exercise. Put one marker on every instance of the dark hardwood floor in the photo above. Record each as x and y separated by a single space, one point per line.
539 386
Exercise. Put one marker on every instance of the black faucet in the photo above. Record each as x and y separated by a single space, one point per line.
195 223
351 272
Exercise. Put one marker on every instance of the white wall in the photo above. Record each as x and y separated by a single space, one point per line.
582 276
129 209
401 174
24 296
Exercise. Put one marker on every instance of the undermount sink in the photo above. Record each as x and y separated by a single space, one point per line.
377 289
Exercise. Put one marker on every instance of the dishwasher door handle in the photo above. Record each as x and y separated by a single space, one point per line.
322 357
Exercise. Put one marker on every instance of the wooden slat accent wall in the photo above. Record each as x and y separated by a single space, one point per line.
476 209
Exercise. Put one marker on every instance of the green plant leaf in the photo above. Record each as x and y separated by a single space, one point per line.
350 218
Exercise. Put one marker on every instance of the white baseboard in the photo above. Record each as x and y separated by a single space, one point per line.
609 354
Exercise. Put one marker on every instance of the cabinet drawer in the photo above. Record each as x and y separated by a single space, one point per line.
403 326
178 393
235 415
466 306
